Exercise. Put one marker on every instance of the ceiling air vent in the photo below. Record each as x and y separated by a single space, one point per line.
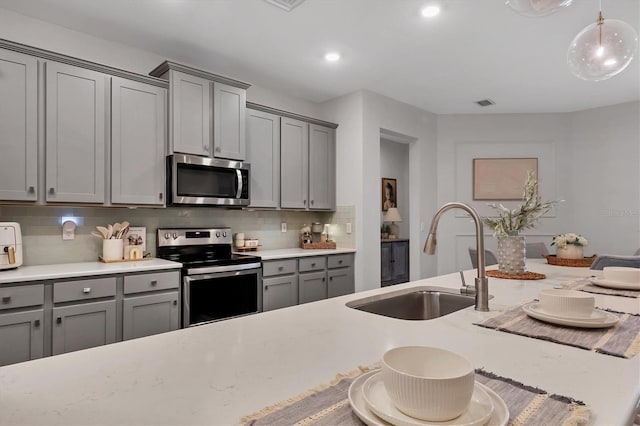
485 102
287 5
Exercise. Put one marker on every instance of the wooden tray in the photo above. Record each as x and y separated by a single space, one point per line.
319 246
243 249
585 262
103 260
526 276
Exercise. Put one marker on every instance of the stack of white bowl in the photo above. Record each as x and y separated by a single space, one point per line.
619 277
569 308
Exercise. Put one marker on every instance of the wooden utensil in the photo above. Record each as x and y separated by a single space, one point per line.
104 231
97 234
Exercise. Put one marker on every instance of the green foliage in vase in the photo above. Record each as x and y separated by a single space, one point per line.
527 216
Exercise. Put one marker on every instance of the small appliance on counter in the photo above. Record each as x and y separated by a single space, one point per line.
10 245
312 237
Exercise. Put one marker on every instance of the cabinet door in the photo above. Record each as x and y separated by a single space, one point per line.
21 336
83 326
279 292
385 262
312 287
150 314
19 124
294 163
190 100
263 153
322 163
400 261
137 142
75 134
341 282
229 121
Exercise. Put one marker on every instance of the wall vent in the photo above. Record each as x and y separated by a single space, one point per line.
287 5
485 102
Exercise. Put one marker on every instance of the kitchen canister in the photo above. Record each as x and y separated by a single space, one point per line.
112 249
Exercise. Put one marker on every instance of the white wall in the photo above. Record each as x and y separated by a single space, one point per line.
394 164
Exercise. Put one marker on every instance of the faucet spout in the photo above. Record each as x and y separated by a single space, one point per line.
482 283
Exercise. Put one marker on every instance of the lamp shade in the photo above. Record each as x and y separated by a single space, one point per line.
536 8
392 215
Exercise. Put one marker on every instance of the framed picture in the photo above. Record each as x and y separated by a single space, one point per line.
136 237
389 193
501 178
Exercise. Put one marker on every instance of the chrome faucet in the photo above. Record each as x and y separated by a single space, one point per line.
482 283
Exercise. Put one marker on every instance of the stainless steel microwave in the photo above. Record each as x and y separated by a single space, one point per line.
206 181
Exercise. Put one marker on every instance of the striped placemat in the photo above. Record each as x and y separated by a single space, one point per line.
585 285
621 340
328 405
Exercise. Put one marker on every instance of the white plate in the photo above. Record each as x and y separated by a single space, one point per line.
614 284
377 400
533 311
596 315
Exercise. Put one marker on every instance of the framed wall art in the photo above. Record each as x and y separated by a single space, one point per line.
496 179
389 193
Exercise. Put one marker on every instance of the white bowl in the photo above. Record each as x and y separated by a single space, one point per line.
428 383
566 303
621 274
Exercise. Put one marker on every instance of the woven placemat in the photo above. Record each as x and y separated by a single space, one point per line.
328 405
585 285
526 276
622 340
585 262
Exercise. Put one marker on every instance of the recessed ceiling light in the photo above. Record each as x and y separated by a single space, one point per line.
430 11
332 57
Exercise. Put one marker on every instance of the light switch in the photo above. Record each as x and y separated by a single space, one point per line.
283 227
349 230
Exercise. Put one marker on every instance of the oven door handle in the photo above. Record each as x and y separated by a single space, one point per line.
220 269
194 278
239 177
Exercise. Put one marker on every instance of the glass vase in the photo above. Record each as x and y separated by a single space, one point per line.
511 254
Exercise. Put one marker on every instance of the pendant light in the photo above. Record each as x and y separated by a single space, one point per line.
536 8
602 49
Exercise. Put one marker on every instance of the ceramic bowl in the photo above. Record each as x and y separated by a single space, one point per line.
566 303
621 274
428 383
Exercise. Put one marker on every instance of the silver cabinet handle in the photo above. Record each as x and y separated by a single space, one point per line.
266 287
86 290
311 202
154 282
330 278
323 279
160 196
59 320
52 190
206 148
280 268
36 323
32 189
175 303
6 299
218 149
304 202
313 264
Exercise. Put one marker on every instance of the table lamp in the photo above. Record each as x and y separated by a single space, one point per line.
393 216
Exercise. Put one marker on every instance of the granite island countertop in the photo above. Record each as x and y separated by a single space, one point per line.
217 373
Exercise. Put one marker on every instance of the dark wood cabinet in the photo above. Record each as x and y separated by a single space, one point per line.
394 258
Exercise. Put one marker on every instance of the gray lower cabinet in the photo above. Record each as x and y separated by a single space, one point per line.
83 326
312 286
394 258
294 163
19 126
138 122
150 314
75 134
341 282
279 292
229 121
190 122
263 153
21 336
322 168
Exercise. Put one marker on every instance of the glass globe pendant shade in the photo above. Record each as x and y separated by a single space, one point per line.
536 8
602 50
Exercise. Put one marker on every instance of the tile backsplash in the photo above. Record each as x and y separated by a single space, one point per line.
42 227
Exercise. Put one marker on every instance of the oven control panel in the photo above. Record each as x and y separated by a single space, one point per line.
193 236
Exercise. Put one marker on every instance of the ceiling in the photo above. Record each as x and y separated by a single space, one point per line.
475 49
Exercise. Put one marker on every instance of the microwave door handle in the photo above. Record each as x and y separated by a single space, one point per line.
239 176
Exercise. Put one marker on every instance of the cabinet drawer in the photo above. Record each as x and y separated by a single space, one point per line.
151 282
20 296
278 267
316 263
84 289
340 260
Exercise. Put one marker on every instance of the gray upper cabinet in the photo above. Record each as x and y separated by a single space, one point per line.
138 122
190 99
263 153
83 326
294 167
75 134
229 121
19 124
150 314
21 336
322 165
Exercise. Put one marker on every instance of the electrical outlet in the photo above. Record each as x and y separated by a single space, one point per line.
349 230
283 227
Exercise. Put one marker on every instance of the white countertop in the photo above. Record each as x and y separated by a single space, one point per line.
216 373
84 269
296 252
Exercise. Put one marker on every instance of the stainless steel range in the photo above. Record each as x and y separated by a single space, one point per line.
216 284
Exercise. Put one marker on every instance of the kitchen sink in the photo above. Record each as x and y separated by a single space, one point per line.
416 303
